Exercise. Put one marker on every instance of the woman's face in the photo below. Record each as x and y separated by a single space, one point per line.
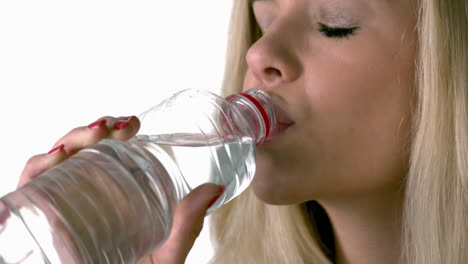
343 71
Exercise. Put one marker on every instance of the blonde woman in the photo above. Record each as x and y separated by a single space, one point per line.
375 168
373 165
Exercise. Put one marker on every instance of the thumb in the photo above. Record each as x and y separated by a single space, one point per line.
188 223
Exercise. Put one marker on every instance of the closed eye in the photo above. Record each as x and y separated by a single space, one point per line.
336 32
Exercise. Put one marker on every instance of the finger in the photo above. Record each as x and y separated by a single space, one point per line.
81 137
38 164
188 223
124 128
75 140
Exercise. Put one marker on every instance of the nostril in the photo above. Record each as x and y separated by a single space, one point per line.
272 75
272 72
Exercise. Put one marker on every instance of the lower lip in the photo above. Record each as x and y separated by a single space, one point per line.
283 131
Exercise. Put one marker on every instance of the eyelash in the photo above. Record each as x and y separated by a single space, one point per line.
331 32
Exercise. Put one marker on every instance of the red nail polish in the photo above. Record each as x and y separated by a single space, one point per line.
223 188
99 123
4 214
56 150
120 124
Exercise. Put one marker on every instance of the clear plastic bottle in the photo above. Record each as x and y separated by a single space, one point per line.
113 202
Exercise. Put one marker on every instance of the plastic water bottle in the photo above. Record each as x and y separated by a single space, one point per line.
113 202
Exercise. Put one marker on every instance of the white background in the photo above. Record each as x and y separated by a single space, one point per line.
63 64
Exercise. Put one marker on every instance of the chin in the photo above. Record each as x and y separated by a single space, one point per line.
269 184
270 193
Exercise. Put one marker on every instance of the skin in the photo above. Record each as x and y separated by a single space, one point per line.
350 100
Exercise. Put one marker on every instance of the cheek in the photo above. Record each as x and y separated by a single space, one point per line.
363 87
360 108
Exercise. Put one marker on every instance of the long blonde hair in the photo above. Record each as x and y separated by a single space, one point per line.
435 222
436 209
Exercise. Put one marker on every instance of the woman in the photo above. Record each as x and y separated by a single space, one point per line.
372 168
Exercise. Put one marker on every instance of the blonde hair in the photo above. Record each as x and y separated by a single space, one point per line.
435 224
436 207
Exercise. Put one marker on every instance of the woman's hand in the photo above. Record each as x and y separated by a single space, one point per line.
122 128
187 225
189 214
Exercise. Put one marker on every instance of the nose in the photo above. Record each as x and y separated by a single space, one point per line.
272 59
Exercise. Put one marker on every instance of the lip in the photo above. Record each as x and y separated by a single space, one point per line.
284 122
282 114
279 132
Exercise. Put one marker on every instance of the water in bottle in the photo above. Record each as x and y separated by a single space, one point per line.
113 202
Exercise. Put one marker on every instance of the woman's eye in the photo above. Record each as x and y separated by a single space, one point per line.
335 32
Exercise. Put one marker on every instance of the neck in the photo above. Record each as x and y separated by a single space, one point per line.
367 229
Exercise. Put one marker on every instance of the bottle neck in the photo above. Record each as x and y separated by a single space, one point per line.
257 108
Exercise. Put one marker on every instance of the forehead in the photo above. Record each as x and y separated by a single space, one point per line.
323 8
338 7
334 3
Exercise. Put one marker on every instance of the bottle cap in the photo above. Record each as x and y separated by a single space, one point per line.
259 110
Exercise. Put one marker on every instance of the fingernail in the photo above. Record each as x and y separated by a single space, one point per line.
99 123
128 118
4 212
56 150
221 191
120 124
